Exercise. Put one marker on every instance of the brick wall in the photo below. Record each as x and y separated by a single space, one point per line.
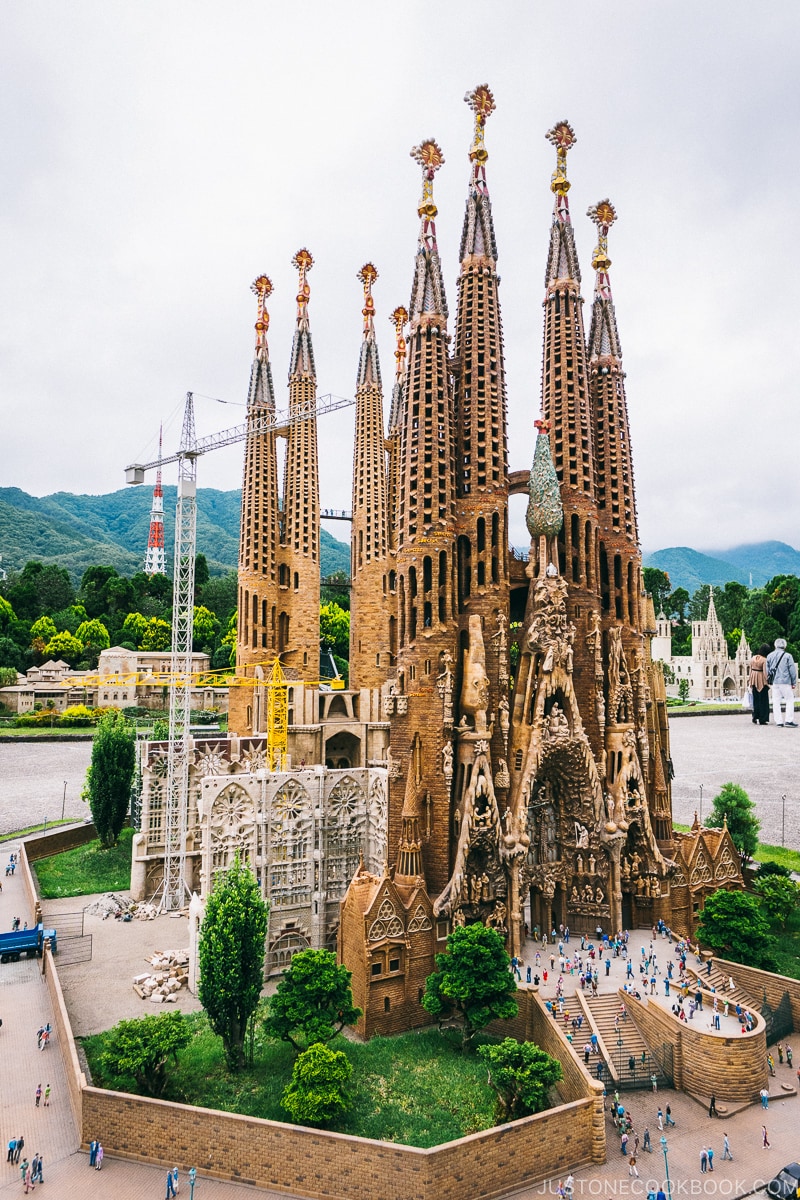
735 1069
42 845
76 1080
756 982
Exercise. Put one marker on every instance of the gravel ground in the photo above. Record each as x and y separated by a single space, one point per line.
32 777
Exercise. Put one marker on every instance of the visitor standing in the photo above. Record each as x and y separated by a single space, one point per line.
47 1096
669 1116
710 1153
782 671
703 1160
726 1148
37 1175
712 1106
764 1094
38 1095
19 1149
764 1138
170 1186
646 1145
92 1152
759 686
98 1158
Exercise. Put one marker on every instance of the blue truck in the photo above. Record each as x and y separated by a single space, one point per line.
17 942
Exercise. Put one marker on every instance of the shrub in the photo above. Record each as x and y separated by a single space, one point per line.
317 1091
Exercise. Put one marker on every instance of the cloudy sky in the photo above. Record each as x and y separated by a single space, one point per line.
157 156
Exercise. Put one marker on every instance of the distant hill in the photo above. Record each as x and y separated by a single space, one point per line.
690 569
78 531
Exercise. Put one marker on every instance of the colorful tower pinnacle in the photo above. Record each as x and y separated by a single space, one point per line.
298 572
399 319
425 523
256 641
566 406
481 449
616 501
371 651
155 562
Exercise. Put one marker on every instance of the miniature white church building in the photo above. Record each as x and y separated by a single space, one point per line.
712 674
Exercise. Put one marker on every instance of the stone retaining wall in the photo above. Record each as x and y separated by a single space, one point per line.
67 837
757 982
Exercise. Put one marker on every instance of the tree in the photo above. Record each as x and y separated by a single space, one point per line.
732 924
676 604
334 629
683 689
43 630
735 806
8 676
779 897
110 775
7 615
472 984
220 595
94 636
66 646
201 576
313 1001
232 939
657 583
11 656
522 1074
317 1090
205 627
93 592
730 603
157 635
133 628
144 1048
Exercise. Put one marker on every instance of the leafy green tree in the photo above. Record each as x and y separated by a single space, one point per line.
65 646
334 629
784 595
732 639
11 656
730 603
676 604
43 630
110 775
94 635
336 588
54 589
472 984
768 867
133 628
522 1074
220 595
201 577
317 1091
683 689
93 592
232 939
764 629
7 615
144 1048
229 638
157 635
8 676
313 1001
735 806
205 628
658 585
780 897
733 925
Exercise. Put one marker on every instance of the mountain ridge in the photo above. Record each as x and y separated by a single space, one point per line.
691 569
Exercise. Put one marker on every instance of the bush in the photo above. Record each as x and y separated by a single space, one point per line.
77 715
317 1091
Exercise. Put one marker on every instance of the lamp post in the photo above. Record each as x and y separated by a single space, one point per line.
783 819
666 1166
192 1178
701 804
64 800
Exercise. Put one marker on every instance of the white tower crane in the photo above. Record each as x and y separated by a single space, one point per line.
174 889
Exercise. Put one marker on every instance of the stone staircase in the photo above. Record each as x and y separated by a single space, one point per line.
623 1044
719 979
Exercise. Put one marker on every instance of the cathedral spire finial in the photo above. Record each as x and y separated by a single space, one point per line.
562 136
603 215
429 156
481 101
303 261
262 289
399 319
367 275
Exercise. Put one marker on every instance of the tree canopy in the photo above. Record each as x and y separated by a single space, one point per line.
780 897
232 938
317 1091
522 1075
313 1001
145 1047
733 805
110 774
657 583
733 925
472 984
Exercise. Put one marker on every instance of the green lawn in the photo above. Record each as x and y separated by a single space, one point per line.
86 870
415 1089
40 828
12 731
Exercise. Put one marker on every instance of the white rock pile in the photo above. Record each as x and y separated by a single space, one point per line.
170 972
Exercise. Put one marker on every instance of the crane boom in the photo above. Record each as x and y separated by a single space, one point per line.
277 422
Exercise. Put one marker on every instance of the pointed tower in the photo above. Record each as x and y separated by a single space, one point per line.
372 623
567 408
298 571
620 559
155 560
258 540
425 525
399 319
409 872
481 449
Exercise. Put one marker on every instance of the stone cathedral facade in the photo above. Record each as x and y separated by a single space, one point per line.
502 753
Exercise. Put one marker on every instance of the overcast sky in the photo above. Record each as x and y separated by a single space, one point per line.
157 156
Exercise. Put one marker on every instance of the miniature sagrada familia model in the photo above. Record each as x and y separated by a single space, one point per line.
502 752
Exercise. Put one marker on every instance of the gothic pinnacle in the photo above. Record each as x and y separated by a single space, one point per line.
603 214
545 514
367 275
262 288
562 136
429 156
303 261
481 101
399 319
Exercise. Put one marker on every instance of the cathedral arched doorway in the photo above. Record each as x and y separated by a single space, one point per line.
343 751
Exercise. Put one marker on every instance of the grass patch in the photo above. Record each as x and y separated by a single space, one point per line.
415 1089
18 833
787 957
12 731
86 869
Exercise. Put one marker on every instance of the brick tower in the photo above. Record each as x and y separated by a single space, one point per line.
371 619
256 641
298 570
425 549
481 449
399 319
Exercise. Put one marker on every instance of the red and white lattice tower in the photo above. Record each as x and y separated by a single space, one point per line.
155 562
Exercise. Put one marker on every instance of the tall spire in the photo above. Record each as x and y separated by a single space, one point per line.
427 292
372 625
155 562
399 319
616 499
259 536
477 237
298 620
562 261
